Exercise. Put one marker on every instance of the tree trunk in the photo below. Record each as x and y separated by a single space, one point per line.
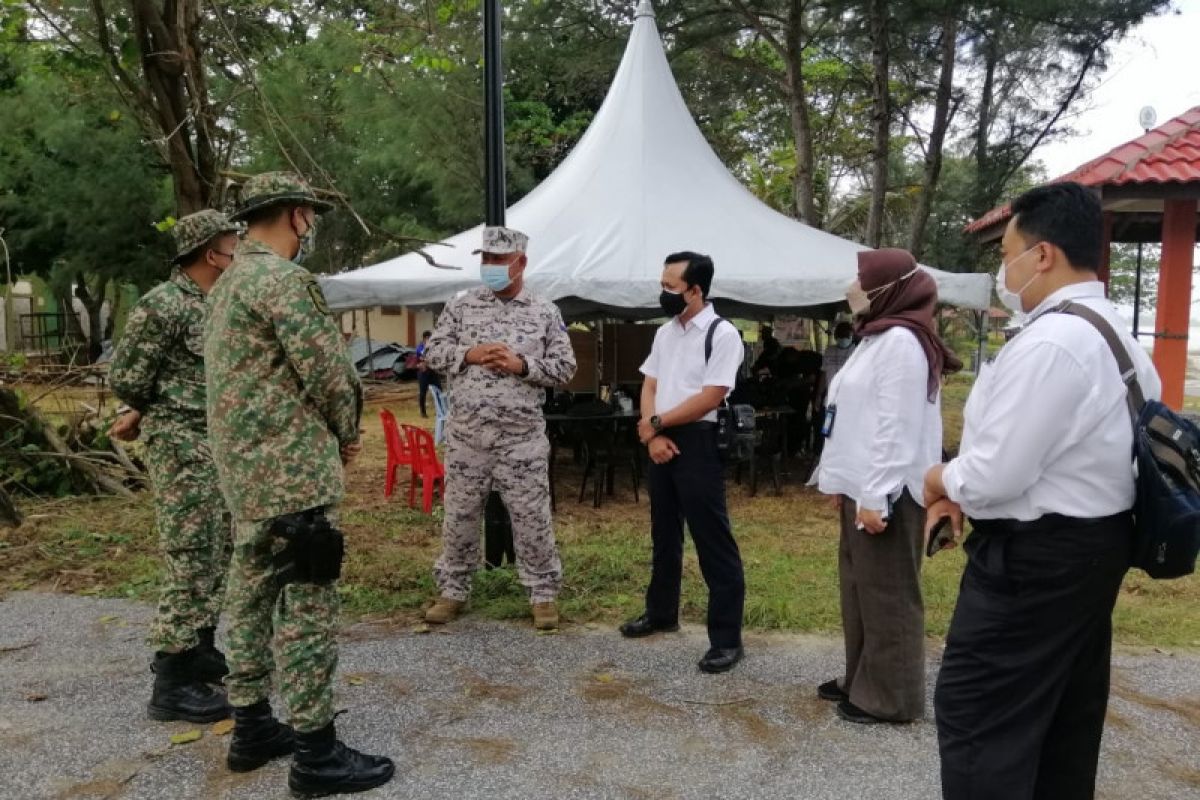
984 195
803 184
93 302
937 136
881 119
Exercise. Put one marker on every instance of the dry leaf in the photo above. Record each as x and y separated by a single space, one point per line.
222 728
107 618
421 628
604 677
187 737
355 680
35 697
551 632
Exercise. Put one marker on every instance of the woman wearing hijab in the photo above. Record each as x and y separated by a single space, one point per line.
883 429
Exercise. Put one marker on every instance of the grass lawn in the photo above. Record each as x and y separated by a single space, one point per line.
789 543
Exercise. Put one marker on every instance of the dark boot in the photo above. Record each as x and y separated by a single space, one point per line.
257 738
324 766
211 666
179 695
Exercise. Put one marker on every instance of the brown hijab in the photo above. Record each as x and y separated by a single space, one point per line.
907 303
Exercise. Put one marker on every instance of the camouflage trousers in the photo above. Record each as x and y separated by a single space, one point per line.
517 466
276 627
193 529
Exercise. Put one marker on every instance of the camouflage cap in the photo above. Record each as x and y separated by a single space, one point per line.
196 229
273 188
502 241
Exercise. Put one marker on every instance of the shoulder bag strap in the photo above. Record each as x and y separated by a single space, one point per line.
1136 398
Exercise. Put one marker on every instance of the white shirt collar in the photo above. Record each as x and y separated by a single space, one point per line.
701 320
1074 291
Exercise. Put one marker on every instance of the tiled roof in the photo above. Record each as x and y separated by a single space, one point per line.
1168 154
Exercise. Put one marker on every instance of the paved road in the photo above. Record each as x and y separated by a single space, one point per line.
490 710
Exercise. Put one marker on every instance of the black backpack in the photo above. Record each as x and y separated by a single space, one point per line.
735 423
1166 452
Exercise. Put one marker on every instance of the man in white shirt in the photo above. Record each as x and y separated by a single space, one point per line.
693 364
1045 475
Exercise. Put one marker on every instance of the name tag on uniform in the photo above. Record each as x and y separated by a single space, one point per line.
827 424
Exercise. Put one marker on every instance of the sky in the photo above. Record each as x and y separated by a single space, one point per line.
1156 65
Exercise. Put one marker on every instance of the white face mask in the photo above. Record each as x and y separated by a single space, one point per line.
1011 299
859 299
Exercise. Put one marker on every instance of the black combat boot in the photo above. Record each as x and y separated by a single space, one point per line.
324 766
257 738
211 666
179 695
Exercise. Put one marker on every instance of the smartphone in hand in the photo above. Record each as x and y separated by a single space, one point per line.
940 537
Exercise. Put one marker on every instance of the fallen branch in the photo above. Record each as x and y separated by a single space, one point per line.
12 648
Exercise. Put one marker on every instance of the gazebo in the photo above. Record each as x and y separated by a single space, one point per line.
1149 188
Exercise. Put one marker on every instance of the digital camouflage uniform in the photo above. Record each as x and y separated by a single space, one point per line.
158 369
496 434
283 400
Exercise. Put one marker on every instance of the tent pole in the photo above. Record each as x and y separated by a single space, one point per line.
493 104
497 536
982 320
370 348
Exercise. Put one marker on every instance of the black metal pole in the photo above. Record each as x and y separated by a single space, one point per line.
493 110
1137 291
497 525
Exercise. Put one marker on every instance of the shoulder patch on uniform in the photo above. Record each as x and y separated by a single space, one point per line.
318 296
154 325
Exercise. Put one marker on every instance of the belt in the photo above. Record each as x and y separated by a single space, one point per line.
1043 524
702 425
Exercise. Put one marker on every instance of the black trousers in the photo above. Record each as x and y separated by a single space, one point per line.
425 379
1023 688
691 487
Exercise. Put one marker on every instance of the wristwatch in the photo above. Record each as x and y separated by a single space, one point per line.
656 423
524 367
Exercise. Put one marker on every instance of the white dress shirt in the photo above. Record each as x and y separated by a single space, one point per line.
1046 429
676 360
886 433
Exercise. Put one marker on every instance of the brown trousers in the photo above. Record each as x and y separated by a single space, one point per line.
883 613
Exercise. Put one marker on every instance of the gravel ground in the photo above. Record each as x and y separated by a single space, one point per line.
491 710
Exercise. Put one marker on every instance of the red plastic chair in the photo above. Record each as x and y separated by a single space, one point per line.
426 467
399 452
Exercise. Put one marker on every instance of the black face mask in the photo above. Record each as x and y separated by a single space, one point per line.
672 303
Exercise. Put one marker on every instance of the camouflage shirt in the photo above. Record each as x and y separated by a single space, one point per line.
158 366
283 397
531 326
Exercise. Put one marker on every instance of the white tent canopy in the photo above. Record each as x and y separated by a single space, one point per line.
643 183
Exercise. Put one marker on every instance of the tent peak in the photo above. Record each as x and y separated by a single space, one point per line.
645 9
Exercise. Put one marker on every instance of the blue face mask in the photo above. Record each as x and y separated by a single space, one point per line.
495 276
844 343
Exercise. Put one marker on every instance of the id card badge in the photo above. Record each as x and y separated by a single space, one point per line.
827 425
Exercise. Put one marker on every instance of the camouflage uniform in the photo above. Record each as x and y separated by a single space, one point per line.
283 400
158 369
496 435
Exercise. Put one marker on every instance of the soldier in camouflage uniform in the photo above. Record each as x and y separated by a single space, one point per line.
158 371
283 409
500 346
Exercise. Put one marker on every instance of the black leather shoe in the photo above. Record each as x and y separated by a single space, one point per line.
644 626
258 738
720 659
323 766
829 690
178 695
852 713
210 663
